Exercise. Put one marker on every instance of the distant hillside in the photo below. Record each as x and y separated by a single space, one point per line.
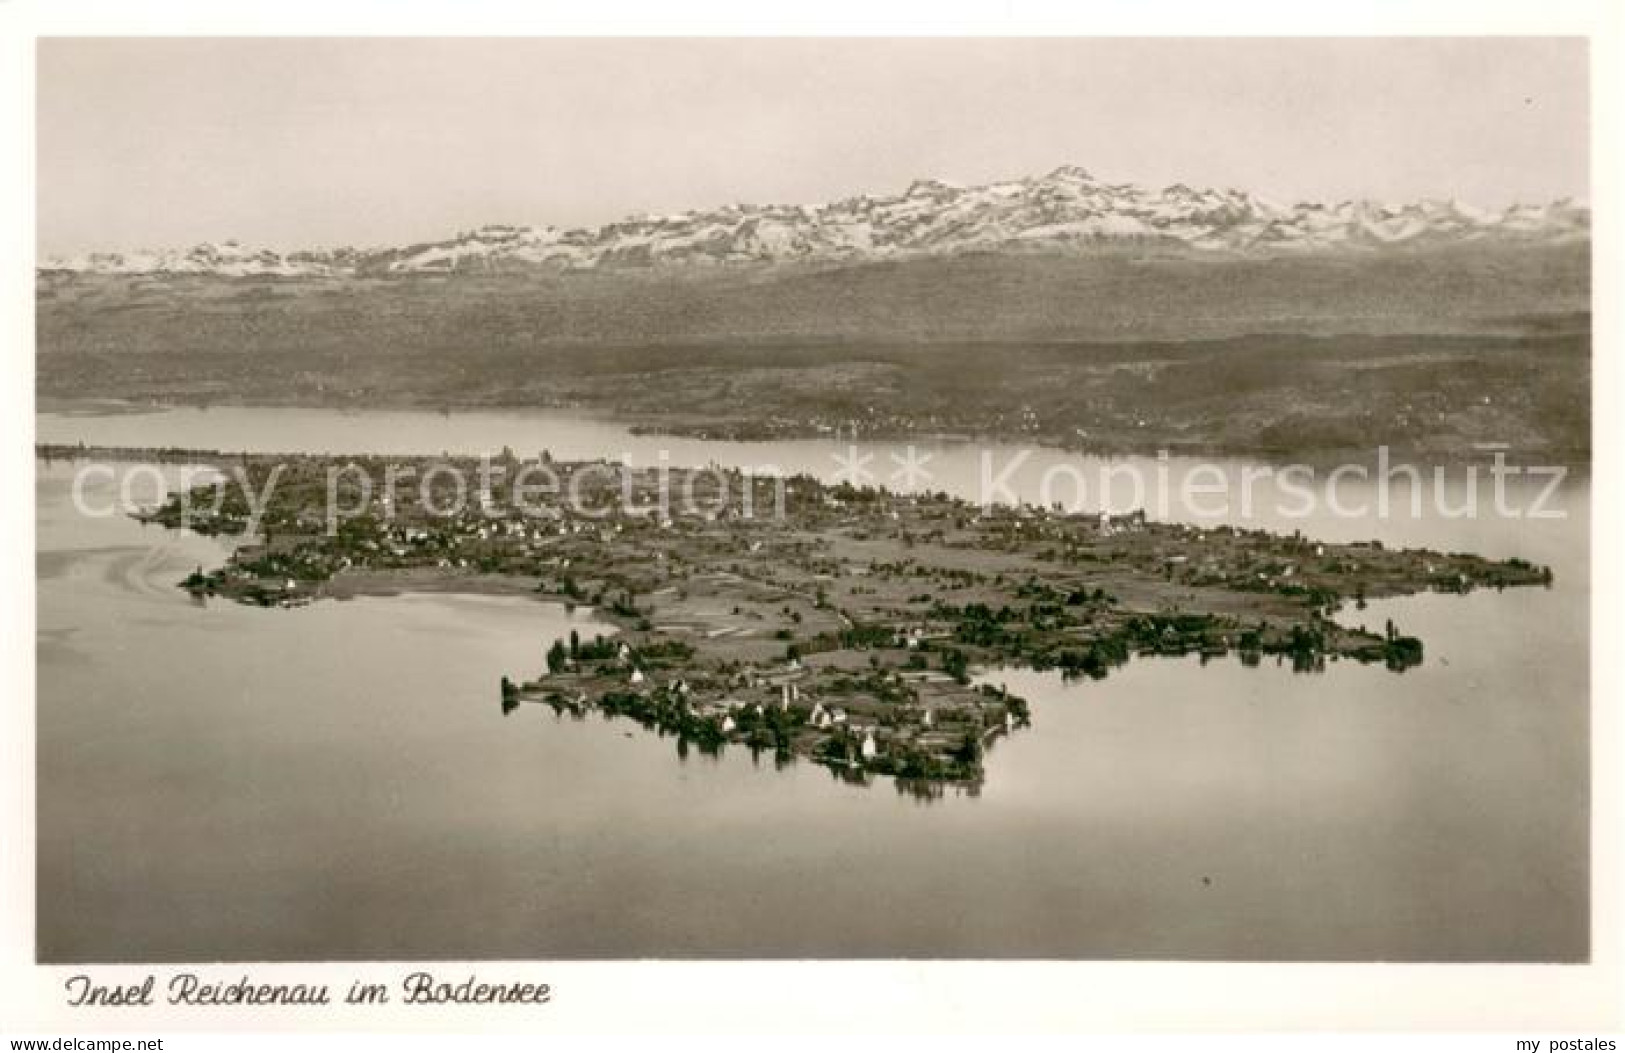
1430 348
980 297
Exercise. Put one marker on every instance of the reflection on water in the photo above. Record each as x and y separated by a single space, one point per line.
222 782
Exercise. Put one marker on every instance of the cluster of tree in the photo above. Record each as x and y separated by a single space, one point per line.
625 605
598 649
981 626
862 636
1094 661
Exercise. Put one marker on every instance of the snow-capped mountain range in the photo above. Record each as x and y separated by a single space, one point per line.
1066 211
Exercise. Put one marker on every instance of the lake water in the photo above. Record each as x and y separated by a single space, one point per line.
217 782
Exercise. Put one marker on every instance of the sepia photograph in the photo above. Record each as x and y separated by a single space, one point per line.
711 499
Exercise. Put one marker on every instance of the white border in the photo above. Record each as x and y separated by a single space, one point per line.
734 997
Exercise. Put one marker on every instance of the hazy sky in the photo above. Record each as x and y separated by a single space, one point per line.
290 143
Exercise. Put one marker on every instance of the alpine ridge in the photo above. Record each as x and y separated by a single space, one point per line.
1068 211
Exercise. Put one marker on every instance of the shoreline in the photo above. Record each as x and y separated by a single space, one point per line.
640 427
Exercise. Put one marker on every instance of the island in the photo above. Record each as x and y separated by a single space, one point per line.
856 627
